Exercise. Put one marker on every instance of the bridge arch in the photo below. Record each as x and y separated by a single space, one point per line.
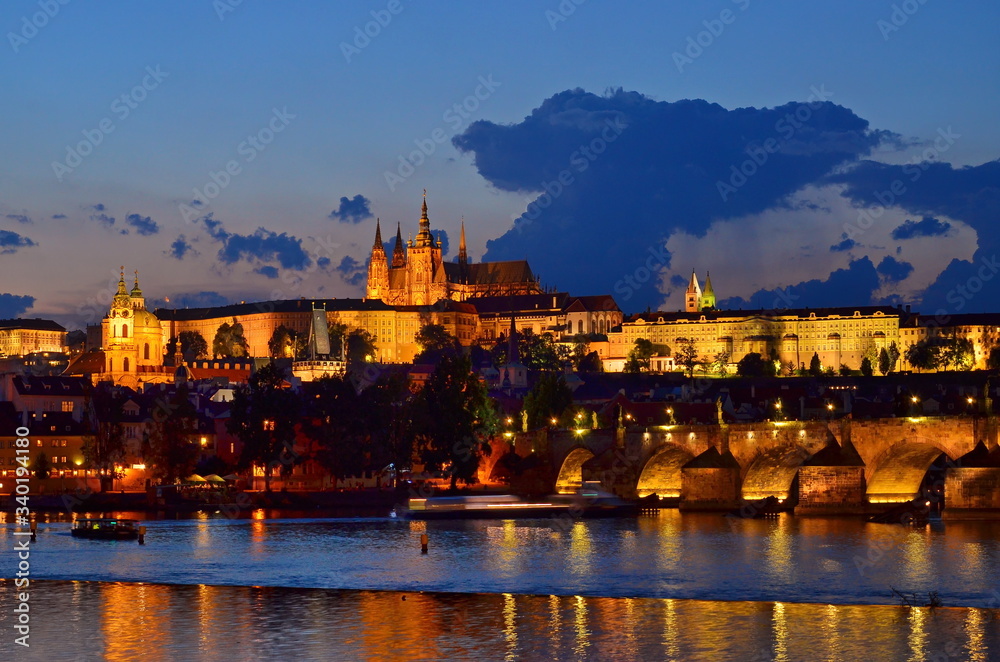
570 475
898 473
661 474
772 472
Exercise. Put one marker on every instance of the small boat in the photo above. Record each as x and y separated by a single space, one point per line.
106 529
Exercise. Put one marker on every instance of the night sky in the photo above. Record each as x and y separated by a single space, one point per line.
807 154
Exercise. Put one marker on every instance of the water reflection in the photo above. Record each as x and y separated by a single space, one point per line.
159 622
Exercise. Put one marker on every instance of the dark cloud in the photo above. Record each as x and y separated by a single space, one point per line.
14 305
351 270
181 248
203 299
11 242
268 271
925 227
440 235
20 218
98 207
893 270
144 225
323 263
58 216
845 245
261 246
970 194
610 177
853 286
353 210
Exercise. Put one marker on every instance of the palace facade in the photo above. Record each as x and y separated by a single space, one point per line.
19 337
418 275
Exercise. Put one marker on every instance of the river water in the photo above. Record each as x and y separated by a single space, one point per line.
673 586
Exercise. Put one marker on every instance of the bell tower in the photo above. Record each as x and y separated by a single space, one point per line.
692 297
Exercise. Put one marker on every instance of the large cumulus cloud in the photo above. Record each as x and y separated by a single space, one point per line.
608 178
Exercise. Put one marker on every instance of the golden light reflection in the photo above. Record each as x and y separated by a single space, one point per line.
510 625
831 632
780 625
918 633
671 648
582 631
581 549
555 625
975 621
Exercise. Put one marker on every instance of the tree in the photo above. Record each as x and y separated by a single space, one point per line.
687 357
333 419
815 365
884 365
285 343
547 399
720 363
866 367
591 363
263 415
229 341
845 370
639 355
958 352
169 443
993 362
104 436
41 467
435 342
922 355
751 365
193 345
360 348
893 355
452 418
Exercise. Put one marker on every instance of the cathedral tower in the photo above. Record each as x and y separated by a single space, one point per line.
692 297
378 268
708 295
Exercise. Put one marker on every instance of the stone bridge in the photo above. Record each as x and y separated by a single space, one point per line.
839 465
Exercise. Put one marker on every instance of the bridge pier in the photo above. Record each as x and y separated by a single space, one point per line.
832 482
711 481
972 488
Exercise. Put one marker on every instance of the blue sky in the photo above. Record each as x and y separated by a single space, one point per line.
201 77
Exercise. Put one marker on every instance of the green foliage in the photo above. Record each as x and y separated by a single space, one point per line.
687 357
937 353
893 355
754 365
815 366
845 370
591 363
435 342
639 355
993 362
263 415
884 365
285 343
193 345
41 468
229 341
720 363
169 443
866 367
451 420
547 399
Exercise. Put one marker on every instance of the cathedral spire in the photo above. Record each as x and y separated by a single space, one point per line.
424 236
692 297
378 234
708 294
463 257
398 252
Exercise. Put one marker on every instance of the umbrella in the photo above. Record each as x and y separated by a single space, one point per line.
215 478
231 477
195 478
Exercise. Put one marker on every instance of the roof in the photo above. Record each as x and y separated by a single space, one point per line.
519 303
88 363
600 302
801 313
35 324
278 306
62 386
486 273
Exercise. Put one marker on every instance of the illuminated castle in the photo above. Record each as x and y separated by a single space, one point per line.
418 276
